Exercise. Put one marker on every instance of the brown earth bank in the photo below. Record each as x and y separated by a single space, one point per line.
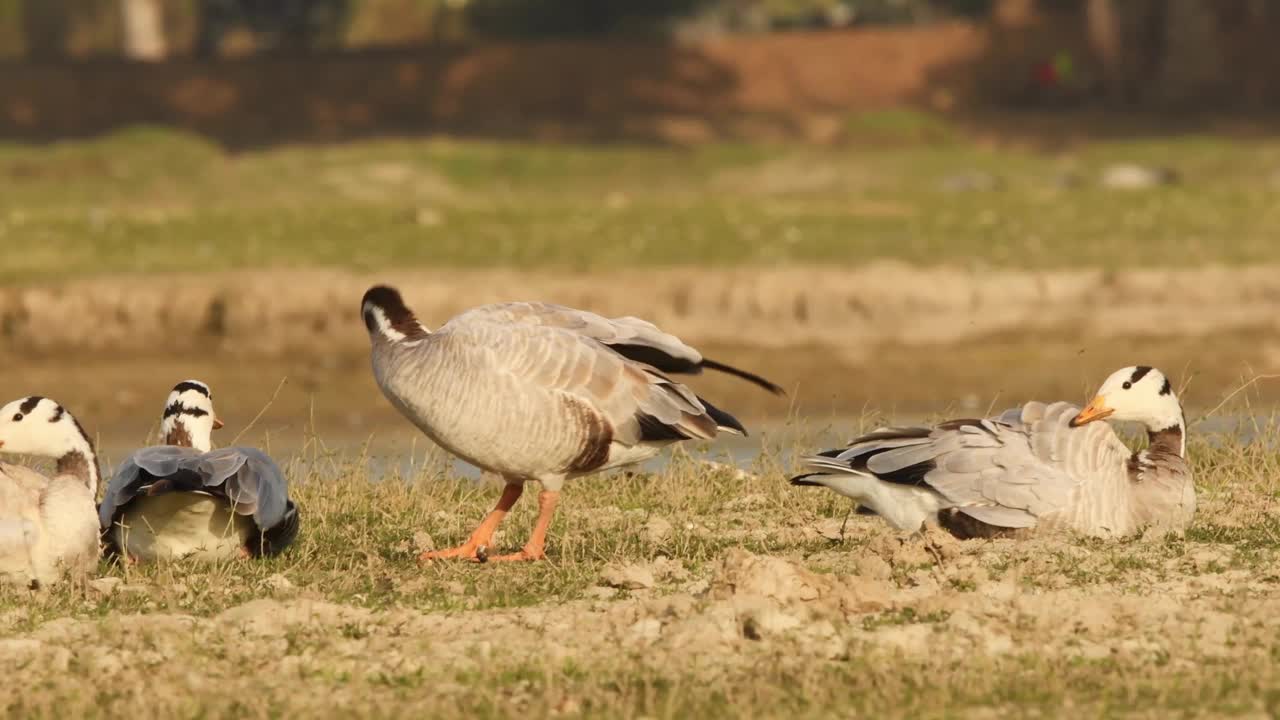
289 349
855 311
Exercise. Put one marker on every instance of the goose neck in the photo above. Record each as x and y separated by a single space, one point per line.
82 464
1171 440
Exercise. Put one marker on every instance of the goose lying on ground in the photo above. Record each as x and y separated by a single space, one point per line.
183 499
48 527
1038 466
539 392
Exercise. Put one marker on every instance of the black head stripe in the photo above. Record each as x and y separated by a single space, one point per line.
1166 388
1139 373
57 414
185 386
180 409
29 404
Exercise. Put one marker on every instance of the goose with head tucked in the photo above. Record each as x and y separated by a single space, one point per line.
1036 467
185 499
48 527
534 391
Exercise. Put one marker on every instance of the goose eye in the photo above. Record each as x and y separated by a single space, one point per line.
17 417
1127 385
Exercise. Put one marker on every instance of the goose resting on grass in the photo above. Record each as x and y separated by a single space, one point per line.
183 499
48 527
533 391
1038 466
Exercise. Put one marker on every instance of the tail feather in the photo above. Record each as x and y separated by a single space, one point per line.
748 376
828 463
274 540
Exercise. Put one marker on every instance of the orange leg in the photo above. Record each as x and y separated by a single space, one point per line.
483 535
535 548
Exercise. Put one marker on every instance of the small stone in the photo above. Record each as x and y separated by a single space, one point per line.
873 567
831 528
628 577
279 584
422 541
1130 176
657 530
133 590
600 592
106 586
698 587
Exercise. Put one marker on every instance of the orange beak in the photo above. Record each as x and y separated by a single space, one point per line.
1096 410
217 423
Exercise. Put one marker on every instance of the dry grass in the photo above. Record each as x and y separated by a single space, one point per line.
757 606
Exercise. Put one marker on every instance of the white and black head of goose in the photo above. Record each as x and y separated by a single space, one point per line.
41 427
189 419
387 317
1140 394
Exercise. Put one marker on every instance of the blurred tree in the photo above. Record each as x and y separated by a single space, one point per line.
1166 51
544 18
143 29
295 25
44 29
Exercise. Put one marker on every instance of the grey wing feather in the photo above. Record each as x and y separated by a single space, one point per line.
1008 471
159 461
249 479
252 482
622 392
609 331
1035 469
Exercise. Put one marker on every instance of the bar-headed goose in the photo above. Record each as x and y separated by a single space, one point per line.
538 392
1038 466
48 527
183 499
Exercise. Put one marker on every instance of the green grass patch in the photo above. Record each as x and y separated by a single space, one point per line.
148 199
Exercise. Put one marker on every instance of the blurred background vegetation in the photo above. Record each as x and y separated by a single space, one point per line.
85 28
1127 51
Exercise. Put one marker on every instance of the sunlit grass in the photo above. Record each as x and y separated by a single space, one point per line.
153 200
362 531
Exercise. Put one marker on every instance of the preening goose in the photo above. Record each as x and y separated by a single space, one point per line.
1038 466
538 392
183 499
48 527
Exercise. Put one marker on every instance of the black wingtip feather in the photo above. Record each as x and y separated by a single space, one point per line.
275 540
748 376
723 419
654 430
802 481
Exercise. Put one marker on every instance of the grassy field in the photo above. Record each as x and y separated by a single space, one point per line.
149 199
694 592
697 591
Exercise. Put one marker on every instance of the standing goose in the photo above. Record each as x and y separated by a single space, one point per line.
47 525
539 392
183 499
1037 466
